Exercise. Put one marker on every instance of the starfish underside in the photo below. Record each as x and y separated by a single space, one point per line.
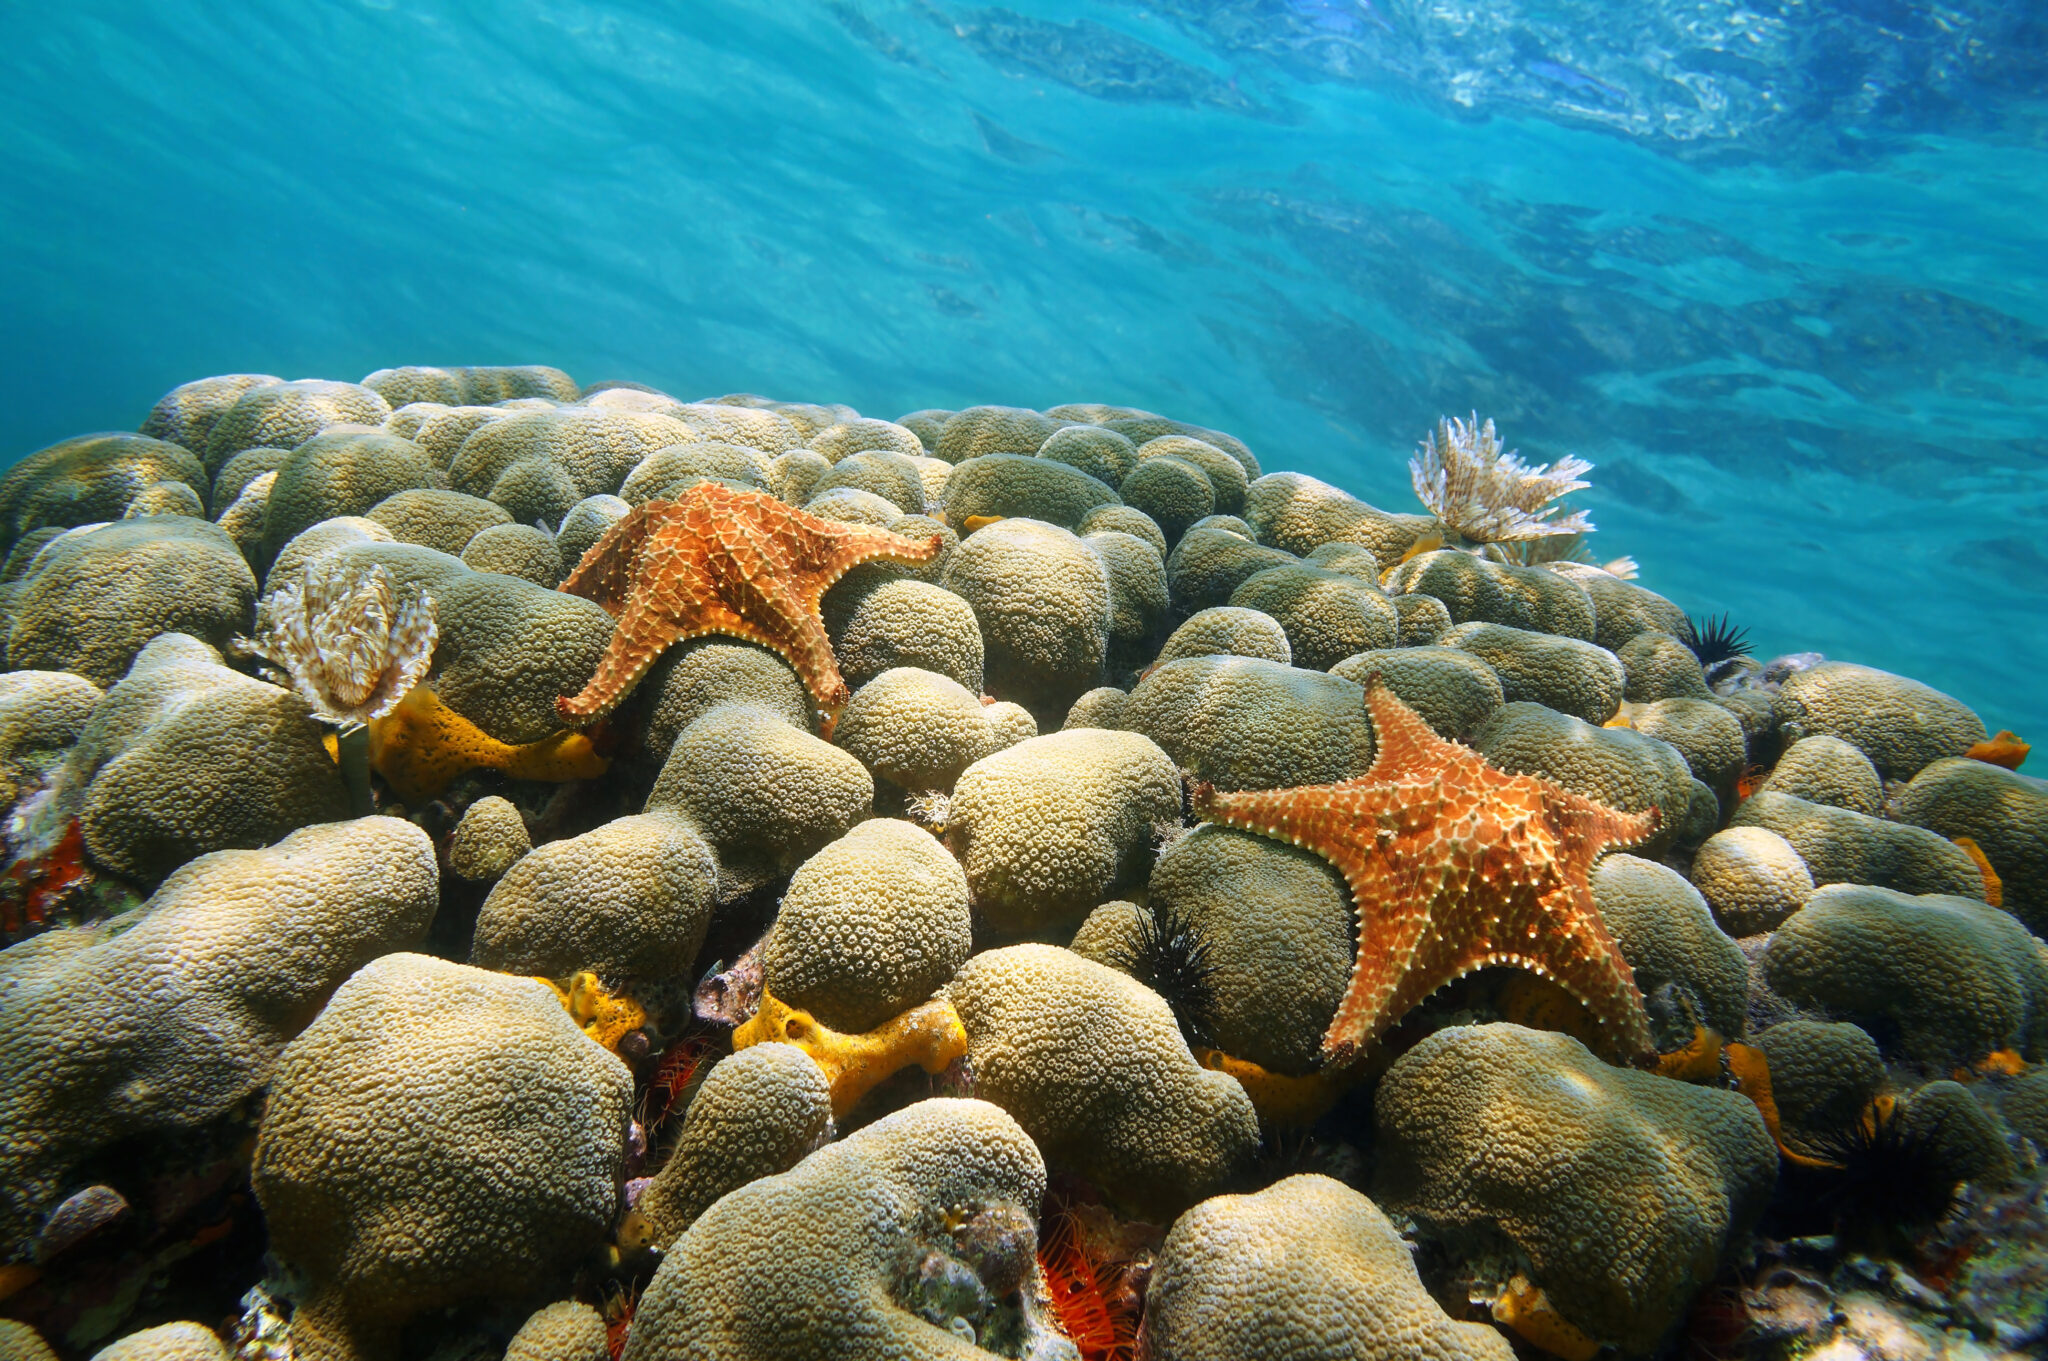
716 560
1454 866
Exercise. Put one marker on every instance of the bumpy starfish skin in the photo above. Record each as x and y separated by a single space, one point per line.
1454 866
717 560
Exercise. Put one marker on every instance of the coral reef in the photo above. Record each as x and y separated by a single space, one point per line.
1002 485
186 756
980 430
1208 564
1565 674
1823 1075
1659 667
94 596
2002 812
1900 724
1475 590
437 1133
1093 1066
919 730
1298 514
1308 1268
1619 768
42 714
915 1236
488 840
1938 980
564 1331
1138 598
1752 878
1693 973
341 472
1327 616
188 412
757 1113
1042 597
696 677
904 623
1823 769
286 415
1623 1189
1451 688
1265 913
1228 631
844 821
1053 825
165 1017
1844 847
436 518
871 926
167 1342
766 795
630 899
1248 723
91 479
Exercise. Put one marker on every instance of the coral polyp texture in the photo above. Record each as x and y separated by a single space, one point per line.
1306 1269
490 867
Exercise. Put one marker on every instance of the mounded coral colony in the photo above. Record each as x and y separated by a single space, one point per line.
505 869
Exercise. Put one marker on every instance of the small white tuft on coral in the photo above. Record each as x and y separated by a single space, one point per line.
1487 496
929 809
345 641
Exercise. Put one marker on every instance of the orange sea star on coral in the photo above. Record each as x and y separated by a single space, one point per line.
1455 866
716 560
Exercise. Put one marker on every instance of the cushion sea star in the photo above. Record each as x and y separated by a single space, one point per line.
716 560
1454 866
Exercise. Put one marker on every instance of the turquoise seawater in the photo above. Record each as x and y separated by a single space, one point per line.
1777 271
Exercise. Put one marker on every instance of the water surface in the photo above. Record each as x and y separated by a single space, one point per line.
1777 271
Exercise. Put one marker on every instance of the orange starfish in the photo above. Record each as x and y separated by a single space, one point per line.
716 560
1454 865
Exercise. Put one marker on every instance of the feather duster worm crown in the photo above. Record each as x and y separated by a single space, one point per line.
346 640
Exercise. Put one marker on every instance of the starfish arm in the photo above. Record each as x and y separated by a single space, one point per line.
1587 963
643 633
1337 822
609 566
831 548
1405 747
778 614
1611 829
1394 929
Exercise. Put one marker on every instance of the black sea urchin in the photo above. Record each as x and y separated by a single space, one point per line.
1170 955
1884 1181
1714 639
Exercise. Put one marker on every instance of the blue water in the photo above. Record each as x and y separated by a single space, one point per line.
1779 272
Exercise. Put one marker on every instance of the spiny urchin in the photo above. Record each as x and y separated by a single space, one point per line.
1715 639
1171 955
1877 1182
